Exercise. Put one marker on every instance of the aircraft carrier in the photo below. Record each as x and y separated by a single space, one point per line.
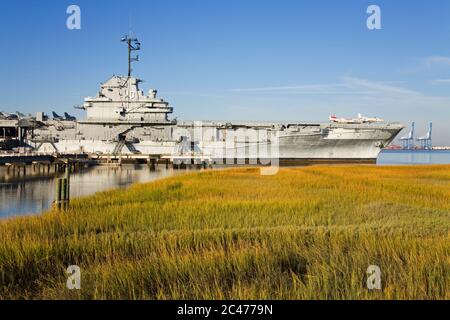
122 120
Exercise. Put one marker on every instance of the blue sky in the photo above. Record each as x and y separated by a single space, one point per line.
273 60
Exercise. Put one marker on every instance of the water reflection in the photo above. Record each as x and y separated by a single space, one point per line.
406 157
34 193
23 195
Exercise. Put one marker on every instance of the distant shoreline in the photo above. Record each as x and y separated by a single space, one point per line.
415 150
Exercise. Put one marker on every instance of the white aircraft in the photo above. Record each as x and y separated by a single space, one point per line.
335 119
358 120
369 120
8 116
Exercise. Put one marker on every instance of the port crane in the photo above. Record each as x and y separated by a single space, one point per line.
408 141
426 141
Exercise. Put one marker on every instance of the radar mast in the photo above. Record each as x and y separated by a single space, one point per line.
133 45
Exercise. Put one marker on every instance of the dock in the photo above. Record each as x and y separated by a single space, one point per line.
18 164
22 164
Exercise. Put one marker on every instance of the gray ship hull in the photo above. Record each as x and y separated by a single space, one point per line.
311 143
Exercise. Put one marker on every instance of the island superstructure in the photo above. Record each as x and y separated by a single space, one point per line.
123 120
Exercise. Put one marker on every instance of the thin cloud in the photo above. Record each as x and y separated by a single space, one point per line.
349 90
299 88
377 87
308 89
437 60
191 94
347 86
440 81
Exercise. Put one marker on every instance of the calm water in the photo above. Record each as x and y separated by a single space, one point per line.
405 157
35 194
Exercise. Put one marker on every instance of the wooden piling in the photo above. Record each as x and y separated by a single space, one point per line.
63 189
68 182
151 163
58 194
62 193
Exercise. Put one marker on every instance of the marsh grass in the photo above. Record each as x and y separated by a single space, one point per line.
305 233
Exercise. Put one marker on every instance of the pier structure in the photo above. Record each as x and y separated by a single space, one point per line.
23 166
13 132
188 161
19 164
